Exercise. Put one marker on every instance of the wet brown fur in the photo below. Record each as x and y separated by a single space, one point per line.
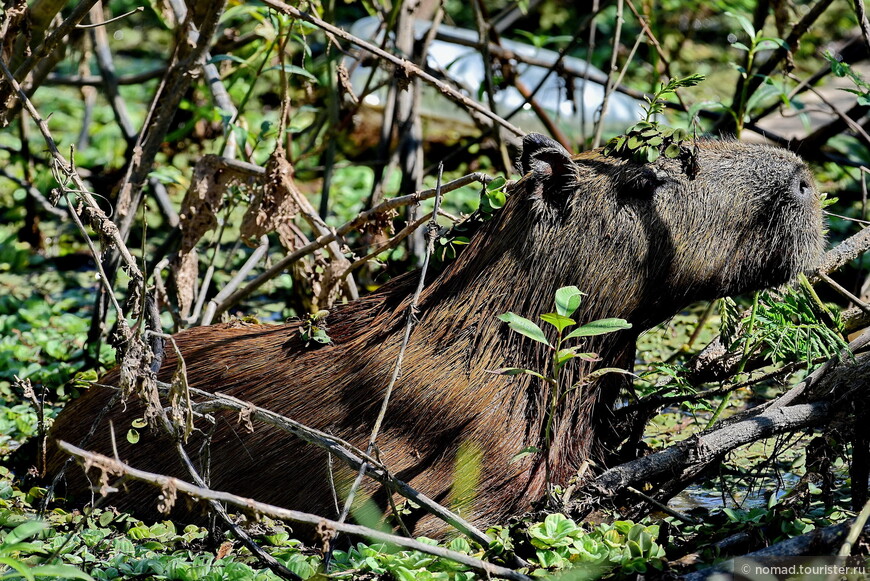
642 240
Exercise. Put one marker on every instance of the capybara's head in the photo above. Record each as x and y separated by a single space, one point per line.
646 239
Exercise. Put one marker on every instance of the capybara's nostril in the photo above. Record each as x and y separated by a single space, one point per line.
803 189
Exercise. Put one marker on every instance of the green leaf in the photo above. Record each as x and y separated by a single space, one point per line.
293 70
106 518
139 423
59 572
558 321
226 57
24 531
764 43
516 371
528 450
744 23
22 569
572 353
525 327
691 80
599 327
496 199
132 436
568 300
496 184
673 151
740 46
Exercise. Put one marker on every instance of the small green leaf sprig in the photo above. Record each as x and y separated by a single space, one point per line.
314 330
450 241
568 300
647 140
844 70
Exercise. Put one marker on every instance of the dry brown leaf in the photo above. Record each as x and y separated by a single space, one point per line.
274 204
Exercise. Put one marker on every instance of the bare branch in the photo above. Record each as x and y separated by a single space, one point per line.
114 467
404 64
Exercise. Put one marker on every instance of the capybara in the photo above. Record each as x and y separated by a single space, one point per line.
641 240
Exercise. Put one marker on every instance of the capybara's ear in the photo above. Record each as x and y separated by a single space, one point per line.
553 168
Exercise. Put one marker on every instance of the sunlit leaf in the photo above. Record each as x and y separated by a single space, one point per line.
558 321
525 327
568 300
599 327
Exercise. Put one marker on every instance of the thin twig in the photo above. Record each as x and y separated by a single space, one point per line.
54 39
105 62
112 466
812 379
111 20
104 281
175 432
760 75
861 13
662 506
846 251
855 531
843 291
96 80
231 286
33 192
271 562
189 54
404 65
599 122
388 245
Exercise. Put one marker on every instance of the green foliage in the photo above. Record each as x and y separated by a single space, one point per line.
380 559
622 547
43 318
449 243
17 423
14 544
567 300
778 519
789 327
314 330
841 69
647 140
757 44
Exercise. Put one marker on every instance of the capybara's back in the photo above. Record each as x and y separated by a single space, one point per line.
641 240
